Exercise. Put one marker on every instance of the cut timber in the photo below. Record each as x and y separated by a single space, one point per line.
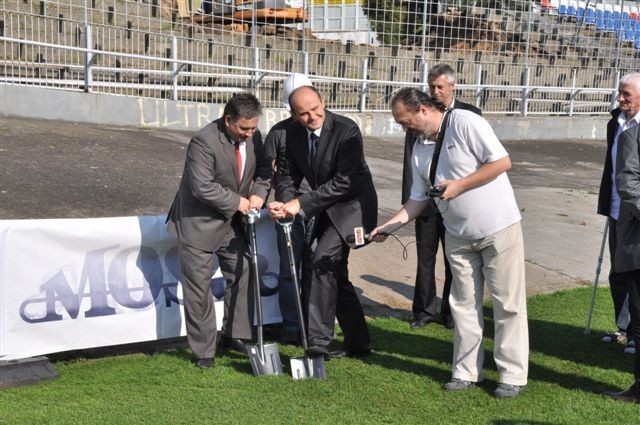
183 9
179 7
273 15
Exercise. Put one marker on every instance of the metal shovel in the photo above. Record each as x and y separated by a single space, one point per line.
265 359
301 367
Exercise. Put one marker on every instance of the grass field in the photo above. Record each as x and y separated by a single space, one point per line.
401 383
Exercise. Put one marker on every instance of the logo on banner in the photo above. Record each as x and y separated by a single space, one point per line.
102 287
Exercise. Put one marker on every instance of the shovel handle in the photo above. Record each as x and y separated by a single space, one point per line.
286 227
256 281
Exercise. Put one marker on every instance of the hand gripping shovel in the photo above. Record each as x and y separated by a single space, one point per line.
301 367
265 359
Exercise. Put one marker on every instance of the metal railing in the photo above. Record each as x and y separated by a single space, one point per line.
129 47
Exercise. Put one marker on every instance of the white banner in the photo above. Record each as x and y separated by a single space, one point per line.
71 284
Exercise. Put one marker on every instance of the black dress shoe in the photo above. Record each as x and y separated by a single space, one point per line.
290 338
448 323
205 363
342 352
234 344
315 351
421 322
631 395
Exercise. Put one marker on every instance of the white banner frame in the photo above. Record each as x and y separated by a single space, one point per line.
69 284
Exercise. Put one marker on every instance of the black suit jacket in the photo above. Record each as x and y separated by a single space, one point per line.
340 180
409 141
604 197
275 148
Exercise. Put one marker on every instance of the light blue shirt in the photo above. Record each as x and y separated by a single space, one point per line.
623 125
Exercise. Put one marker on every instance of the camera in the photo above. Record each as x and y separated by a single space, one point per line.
436 191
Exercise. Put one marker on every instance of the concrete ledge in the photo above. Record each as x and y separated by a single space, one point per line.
27 371
53 104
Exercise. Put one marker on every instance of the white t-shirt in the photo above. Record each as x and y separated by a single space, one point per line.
469 143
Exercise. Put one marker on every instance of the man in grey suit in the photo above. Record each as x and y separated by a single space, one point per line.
429 227
626 169
225 175
327 150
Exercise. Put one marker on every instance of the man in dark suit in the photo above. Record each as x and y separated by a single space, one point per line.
225 175
429 226
275 149
327 150
626 170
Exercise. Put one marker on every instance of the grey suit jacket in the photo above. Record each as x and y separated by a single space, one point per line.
209 192
628 184
340 180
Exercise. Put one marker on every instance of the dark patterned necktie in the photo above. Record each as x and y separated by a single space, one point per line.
313 148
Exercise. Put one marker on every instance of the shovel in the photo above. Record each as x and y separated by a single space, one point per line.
301 367
265 359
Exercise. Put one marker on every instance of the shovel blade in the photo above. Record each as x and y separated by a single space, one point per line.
270 364
308 367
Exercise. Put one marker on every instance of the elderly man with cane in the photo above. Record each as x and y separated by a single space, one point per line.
625 153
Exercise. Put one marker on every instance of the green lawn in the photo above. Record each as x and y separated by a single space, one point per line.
400 383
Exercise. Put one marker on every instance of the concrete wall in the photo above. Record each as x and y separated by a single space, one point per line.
51 104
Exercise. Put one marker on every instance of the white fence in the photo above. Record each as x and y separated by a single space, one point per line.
521 58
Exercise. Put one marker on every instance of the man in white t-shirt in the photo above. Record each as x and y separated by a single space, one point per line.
483 234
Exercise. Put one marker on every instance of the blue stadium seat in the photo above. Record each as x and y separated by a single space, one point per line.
562 8
609 25
572 10
629 34
590 16
617 18
599 20
580 12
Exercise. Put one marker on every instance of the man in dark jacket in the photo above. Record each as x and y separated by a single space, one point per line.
326 149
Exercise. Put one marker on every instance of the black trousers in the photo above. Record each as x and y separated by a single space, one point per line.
429 231
633 286
328 294
617 281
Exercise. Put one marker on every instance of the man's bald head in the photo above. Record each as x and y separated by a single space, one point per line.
307 107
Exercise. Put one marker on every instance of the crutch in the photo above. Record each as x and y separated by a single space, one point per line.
587 329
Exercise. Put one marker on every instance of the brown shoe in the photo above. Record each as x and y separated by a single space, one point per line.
630 395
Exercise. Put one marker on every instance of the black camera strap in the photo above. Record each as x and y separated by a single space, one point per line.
438 148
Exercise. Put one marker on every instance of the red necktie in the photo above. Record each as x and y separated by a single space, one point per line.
238 161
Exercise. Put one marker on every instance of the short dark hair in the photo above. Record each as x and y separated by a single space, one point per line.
242 105
442 69
312 88
413 98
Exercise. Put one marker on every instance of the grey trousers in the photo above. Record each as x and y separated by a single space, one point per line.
196 268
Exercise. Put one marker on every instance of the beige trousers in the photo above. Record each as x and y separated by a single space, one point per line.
498 260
